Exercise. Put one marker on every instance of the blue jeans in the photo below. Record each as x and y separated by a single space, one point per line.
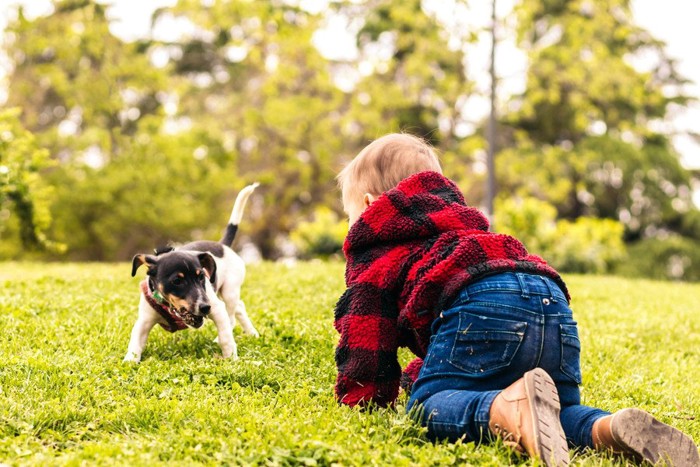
497 329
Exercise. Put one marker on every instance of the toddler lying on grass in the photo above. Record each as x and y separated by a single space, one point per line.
497 345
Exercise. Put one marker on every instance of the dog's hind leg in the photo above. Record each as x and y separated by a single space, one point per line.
237 311
242 316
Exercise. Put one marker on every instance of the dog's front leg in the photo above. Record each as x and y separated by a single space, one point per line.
225 330
139 334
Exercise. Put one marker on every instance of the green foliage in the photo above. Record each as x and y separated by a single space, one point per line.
83 94
582 129
585 245
600 176
321 238
413 78
588 245
151 139
276 101
67 399
580 73
530 220
673 258
417 80
274 104
79 86
25 198
165 188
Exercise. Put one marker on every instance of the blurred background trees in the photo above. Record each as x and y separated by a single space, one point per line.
585 129
139 143
25 199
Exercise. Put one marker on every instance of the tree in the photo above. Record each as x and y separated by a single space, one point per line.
24 197
164 188
412 71
252 78
123 183
263 87
583 131
80 88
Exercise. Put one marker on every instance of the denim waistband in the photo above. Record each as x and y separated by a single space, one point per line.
524 284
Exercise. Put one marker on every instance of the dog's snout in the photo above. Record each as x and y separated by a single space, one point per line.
204 308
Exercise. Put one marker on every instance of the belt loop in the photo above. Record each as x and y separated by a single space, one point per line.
548 283
464 295
525 293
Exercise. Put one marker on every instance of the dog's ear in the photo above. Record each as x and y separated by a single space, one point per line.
140 260
209 264
162 250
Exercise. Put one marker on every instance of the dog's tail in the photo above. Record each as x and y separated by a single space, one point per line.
237 214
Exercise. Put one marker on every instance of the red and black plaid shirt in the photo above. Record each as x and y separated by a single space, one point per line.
408 255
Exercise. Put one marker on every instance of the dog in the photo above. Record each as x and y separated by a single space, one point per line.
198 280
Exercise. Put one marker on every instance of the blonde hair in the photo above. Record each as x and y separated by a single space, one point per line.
383 163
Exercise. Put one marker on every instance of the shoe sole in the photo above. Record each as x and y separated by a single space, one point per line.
550 440
648 439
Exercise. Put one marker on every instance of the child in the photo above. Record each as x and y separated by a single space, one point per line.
491 322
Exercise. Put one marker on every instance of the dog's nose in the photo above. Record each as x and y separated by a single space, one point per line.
204 309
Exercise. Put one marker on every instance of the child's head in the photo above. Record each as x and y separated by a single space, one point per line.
380 166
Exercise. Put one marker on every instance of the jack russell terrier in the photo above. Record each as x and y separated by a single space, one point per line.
188 283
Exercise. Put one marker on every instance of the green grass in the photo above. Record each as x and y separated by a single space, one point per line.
67 399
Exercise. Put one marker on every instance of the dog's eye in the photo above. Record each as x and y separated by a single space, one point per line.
177 282
201 277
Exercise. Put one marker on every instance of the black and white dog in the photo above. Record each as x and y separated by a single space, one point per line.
188 283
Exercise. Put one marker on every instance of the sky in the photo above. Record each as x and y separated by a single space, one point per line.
676 23
673 21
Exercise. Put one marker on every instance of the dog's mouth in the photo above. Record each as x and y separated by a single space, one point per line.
188 318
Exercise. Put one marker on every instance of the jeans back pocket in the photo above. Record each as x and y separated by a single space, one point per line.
483 344
570 352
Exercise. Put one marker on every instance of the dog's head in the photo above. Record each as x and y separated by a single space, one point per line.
180 277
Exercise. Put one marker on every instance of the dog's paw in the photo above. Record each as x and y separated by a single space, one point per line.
233 356
251 331
132 357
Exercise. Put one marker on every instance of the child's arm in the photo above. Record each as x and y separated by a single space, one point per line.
368 368
410 374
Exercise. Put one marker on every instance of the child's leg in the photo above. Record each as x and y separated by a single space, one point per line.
481 348
525 415
452 414
578 421
629 432
637 434
632 433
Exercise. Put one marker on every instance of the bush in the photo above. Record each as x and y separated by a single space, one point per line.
586 245
530 220
25 198
675 258
321 238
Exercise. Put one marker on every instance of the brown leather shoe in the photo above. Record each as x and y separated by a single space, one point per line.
526 416
637 434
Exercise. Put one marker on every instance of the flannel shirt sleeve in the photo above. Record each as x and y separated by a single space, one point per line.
410 374
366 356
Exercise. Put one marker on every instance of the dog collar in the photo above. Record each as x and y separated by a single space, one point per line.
158 297
162 307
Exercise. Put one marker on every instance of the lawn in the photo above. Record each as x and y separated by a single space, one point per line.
66 398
